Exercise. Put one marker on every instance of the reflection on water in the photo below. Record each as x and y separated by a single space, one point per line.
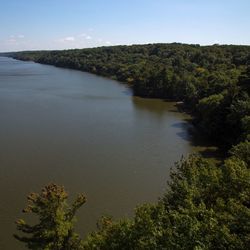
156 107
87 133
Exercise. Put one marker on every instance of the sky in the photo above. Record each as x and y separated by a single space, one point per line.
66 24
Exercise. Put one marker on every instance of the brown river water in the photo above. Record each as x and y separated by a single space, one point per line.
87 133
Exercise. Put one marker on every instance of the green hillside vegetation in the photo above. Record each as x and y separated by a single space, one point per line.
206 205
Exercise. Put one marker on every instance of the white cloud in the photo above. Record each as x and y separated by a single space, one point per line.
82 35
86 36
216 42
108 42
73 41
67 39
14 43
12 40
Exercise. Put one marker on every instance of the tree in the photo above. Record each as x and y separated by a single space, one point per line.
244 80
206 206
242 152
210 114
55 229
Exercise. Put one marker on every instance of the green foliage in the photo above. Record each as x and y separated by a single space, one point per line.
55 229
242 152
244 80
205 207
210 114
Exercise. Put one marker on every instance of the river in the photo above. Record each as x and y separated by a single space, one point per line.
87 133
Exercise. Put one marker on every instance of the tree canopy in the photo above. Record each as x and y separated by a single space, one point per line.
55 229
205 207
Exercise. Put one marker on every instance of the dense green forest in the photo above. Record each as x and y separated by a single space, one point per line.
212 81
206 205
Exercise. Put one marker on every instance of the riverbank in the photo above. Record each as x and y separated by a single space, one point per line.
206 147
208 79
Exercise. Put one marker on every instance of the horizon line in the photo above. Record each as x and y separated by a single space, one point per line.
132 44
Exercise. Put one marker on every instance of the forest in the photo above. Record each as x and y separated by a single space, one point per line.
206 204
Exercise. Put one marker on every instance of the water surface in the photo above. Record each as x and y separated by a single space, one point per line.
87 133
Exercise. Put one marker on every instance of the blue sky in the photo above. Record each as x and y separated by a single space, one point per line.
62 24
